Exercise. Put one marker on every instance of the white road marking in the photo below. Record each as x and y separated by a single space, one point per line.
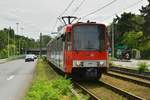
10 77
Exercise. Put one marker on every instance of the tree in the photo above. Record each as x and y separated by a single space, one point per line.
132 39
21 43
126 23
45 40
145 11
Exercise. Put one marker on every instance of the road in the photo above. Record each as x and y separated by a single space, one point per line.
15 78
2 60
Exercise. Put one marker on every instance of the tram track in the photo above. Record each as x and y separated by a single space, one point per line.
122 92
135 80
128 85
131 72
86 91
116 91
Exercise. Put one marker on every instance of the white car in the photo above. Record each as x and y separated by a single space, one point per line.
35 57
29 57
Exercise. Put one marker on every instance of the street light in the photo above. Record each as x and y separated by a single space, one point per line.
14 39
8 39
20 40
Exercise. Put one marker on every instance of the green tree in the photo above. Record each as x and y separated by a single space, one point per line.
145 11
132 39
45 40
21 43
128 22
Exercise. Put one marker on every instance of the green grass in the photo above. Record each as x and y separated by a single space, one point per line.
47 85
143 66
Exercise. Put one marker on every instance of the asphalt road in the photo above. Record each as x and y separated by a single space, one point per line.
15 78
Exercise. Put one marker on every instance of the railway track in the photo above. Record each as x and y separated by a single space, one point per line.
93 96
131 72
134 79
86 91
128 84
125 94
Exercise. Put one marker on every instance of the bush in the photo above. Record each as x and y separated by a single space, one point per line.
62 85
50 90
3 53
142 67
44 88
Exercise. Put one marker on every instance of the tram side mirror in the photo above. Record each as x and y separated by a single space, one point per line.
63 37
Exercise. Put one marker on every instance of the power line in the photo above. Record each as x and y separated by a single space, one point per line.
67 7
130 6
77 8
54 25
99 9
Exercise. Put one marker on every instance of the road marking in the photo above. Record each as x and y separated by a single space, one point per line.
10 77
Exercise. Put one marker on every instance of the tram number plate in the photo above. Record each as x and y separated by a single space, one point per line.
90 64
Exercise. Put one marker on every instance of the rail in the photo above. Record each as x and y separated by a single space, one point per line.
146 84
92 96
143 75
125 94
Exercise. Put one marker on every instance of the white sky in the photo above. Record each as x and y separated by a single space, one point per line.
37 16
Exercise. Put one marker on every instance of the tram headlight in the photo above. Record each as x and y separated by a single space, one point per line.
100 63
79 63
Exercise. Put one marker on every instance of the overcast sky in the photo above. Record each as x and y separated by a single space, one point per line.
37 16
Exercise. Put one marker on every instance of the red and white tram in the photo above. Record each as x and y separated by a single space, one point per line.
80 50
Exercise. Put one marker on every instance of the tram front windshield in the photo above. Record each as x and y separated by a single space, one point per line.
88 37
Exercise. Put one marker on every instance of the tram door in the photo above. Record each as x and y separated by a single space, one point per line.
68 52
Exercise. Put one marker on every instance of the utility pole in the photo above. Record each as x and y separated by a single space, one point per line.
20 41
19 47
113 32
8 41
40 44
14 39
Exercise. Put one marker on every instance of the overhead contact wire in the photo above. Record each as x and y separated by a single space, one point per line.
67 8
77 8
123 9
99 9
54 25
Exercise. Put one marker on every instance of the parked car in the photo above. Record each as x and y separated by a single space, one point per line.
29 57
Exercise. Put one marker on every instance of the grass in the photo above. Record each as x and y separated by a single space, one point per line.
111 63
47 85
143 67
